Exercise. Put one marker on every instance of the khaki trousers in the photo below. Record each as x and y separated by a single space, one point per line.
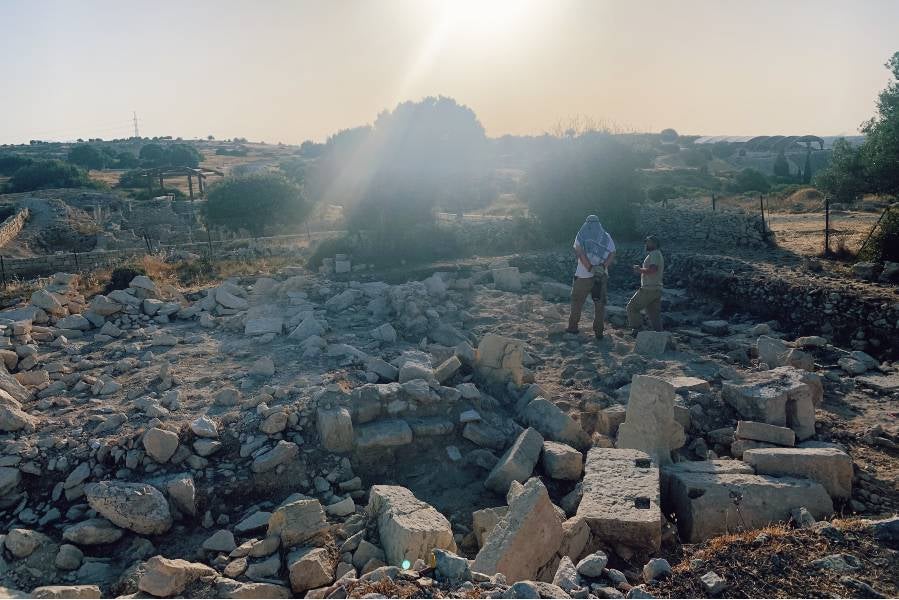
650 300
589 286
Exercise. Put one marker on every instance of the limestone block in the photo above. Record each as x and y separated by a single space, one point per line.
653 343
831 467
688 384
621 498
784 396
507 279
555 424
501 359
610 419
711 467
139 507
517 463
409 528
335 426
383 434
483 521
561 461
298 522
763 432
650 425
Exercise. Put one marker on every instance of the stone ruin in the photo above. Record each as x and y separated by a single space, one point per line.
304 436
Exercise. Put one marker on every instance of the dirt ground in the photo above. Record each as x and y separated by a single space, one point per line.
803 233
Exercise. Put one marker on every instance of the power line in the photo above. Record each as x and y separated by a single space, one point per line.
136 132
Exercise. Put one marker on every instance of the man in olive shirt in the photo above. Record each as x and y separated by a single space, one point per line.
649 296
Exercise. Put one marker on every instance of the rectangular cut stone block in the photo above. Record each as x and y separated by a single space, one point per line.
621 498
763 432
711 467
653 343
517 463
500 358
650 425
383 434
785 396
689 384
610 419
831 467
409 528
711 504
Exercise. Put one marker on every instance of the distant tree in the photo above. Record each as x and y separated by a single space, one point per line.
87 156
45 174
668 136
781 165
659 193
844 178
210 137
255 203
294 169
750 180
310 149
10 163
183 155
880 150
152 155
723 150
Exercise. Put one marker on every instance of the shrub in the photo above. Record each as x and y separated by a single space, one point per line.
10 163
87 156
45 174
121 277
590 174
750 180
255 203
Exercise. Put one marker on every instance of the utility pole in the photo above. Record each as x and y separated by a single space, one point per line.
136 132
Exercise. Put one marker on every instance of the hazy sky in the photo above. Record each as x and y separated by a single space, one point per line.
292 70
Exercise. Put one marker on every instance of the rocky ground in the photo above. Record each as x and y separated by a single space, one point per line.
334 436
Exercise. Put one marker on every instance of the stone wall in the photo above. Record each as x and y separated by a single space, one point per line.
694 222
11 227
803 303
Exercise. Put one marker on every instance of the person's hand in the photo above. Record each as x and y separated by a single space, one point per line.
636 268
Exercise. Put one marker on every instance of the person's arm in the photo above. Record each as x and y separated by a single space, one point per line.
650 270
609 260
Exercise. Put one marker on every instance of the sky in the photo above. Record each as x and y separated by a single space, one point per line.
291 70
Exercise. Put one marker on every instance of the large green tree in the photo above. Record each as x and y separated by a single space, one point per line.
44 174
881 148
87 156
844 178
256 203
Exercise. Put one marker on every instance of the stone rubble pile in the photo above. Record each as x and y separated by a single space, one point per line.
297 472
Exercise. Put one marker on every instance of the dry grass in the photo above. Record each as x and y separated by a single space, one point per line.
774 562
391 588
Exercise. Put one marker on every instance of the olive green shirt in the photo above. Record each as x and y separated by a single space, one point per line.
653 280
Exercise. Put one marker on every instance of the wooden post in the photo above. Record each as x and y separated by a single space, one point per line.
161 184
202 184
826 225
762 209
209 241
190 186
713 202
3 270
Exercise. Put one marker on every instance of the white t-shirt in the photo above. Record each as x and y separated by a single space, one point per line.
581 272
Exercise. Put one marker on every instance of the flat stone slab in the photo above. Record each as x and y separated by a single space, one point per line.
383 434
785 397
707 467
883 383
409 528
831 467
711 504
621 498
763 432
688 384
653 343
517 463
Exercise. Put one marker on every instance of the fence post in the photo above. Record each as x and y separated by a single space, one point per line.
3 270
75 254
826 225
714 207
762 209
209 241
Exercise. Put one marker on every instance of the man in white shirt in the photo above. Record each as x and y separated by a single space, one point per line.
595 251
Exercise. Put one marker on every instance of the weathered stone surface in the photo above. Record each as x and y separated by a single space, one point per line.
229 588
610 419
21 543
763 432
517 463
66 591
447 369
182 492
500 358
785 397
831 467
220 541
707 467
92 532
621 498
139 507
14 419
335 426
688 384
283 452
383 434
310 568
649 425
561 461
510 547
653 343
160 444
167 577
484 520
710 504
554 424
298 522
593 565
507 279
409 528
263 325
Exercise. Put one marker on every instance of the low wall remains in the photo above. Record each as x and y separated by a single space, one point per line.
11 227
694 222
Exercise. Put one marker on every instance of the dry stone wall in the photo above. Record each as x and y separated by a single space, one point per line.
694 224
11 227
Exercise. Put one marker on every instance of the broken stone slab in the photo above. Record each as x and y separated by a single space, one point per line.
688 384
484 520
831 467
66 591
620 499
561 461
386 433
263 325
409 528
164 577
553 291
715 327
785 396
335 426
525 539
649 424
555 424
883 383
139 507
310 568
653 343
447 369
283 452
500 359
709 467
776 353
739 446
610 419
92 532
160 444
517 463
507 279
298 522
711 504
763 432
